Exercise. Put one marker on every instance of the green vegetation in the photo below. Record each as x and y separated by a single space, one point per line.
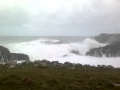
29 77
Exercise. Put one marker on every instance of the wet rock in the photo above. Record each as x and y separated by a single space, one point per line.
112 50
6 56
19 56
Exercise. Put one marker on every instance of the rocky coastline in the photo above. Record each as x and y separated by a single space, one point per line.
6 56
110 50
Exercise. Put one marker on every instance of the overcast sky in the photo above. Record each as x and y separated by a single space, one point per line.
59 17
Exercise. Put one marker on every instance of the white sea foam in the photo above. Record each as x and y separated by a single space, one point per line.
114 61
39 49
48 41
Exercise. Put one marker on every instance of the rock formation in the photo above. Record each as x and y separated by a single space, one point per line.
107 38
112 50
6 56
19 56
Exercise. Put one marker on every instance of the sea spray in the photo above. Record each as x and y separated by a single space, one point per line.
41 50
55 49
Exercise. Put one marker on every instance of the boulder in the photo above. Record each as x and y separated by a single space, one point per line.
55 63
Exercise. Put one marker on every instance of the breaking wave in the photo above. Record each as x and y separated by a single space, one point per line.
54 50
48 49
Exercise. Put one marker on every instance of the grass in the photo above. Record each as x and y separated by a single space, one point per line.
52 78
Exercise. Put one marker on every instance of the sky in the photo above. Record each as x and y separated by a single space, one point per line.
59 17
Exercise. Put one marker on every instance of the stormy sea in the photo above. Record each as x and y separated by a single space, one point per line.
59 48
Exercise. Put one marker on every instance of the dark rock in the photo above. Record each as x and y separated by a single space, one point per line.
107 38
43 63
112 50
6 56
75 52
19 56
55 63
68 64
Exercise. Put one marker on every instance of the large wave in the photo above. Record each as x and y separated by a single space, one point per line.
48 49
54 51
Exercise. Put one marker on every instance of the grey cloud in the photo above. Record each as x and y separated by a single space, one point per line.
95 18
16 17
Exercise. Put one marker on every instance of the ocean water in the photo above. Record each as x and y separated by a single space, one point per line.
61 48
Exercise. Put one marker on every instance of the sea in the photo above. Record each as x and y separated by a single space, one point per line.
58 48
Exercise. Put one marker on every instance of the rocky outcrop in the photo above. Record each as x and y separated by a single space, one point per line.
6 56
19 56
107 38
112 50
